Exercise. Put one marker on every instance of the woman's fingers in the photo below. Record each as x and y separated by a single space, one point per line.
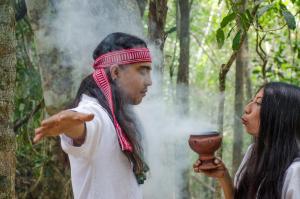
197 164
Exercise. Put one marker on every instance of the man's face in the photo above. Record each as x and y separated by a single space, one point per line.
134 80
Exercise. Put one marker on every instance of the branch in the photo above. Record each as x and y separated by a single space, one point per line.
199 44
21 122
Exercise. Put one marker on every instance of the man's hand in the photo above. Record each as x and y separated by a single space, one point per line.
69 122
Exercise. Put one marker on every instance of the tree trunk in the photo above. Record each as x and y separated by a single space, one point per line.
183 68
142 5
182 90
248 85
56 74
156 30
58 90
241 66
7 86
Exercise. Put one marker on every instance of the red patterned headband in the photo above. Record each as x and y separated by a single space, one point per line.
121 57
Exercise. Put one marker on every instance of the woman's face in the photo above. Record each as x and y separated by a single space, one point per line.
251 116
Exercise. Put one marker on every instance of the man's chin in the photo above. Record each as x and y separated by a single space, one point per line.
136 101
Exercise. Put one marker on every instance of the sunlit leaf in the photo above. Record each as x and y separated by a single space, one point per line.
264 9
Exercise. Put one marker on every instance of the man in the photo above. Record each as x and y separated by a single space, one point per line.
100 134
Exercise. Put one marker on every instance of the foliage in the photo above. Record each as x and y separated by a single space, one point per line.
274 55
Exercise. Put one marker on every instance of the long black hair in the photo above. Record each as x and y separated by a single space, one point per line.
275 148
124 115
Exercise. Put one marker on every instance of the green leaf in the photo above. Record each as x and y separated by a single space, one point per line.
230 17
249 15
236 41
228 35
264 9
220 37
290 19
245 21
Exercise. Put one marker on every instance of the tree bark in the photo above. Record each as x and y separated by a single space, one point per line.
248 85
142 5
7 86
156 30
183 68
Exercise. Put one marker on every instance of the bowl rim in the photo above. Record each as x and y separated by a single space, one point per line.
205 134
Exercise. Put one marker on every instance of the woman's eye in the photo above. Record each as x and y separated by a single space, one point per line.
258 103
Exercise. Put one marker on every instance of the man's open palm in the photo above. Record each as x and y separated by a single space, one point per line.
62 122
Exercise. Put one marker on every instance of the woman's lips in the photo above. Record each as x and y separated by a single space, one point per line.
244 121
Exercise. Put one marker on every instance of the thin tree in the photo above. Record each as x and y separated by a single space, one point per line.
182 90
7 86
241 63
156 30
184 43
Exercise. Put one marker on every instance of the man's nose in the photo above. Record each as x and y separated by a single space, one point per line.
148 81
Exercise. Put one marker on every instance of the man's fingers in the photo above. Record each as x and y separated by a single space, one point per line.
86 117
51 121
38 137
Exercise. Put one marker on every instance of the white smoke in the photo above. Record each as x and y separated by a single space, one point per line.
78 27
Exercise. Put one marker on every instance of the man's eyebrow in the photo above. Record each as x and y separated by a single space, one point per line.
146 67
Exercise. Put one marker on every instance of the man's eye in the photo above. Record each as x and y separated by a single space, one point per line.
143 71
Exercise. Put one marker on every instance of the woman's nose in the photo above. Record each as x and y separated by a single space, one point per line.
247 109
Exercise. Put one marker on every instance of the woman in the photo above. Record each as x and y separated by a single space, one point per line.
100 134
271 166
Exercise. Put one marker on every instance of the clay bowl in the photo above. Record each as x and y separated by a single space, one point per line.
205 144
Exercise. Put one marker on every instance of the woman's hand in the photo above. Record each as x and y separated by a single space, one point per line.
69 122
221 173
218 172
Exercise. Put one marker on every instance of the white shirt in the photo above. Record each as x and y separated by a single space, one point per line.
99 169
291 185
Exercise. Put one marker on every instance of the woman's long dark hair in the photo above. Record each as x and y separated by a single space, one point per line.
275 148
124 115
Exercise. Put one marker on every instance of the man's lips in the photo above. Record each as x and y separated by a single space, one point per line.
144 92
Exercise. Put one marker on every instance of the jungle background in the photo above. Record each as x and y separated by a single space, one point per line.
213 49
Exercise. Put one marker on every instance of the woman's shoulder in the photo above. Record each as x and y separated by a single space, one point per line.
294 167
291 183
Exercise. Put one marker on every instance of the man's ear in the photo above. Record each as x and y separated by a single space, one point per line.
114 71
